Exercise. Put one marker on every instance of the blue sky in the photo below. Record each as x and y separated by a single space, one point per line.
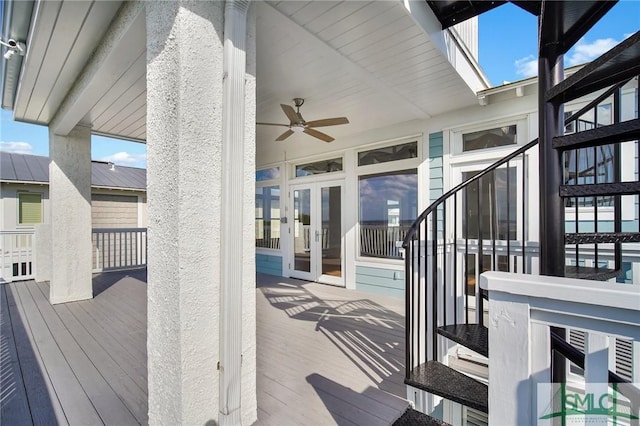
508 40
507 52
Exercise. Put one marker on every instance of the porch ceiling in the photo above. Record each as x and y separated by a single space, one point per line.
370 61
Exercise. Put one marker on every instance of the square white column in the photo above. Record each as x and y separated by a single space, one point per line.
70 203
186 221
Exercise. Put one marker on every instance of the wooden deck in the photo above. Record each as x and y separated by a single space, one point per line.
325 355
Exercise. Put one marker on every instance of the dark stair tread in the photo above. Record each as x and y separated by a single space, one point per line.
618 132
600 189
472 336
437 378
413 417
586 273
601 237
618 64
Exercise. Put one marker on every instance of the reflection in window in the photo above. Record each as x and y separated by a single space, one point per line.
490 206
268 217
388 208
588 120
319 167
589 166
389 153
500 136
267 174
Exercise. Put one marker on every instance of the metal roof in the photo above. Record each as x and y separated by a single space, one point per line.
35 168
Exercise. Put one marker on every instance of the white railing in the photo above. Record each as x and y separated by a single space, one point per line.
119 248
17 259
382 240
522 308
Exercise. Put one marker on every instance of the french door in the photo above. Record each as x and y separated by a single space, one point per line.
316 233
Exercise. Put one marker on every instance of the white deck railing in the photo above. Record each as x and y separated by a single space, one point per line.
522 308
119 248
17 259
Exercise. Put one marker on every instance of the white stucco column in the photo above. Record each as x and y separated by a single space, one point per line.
70 203
186 147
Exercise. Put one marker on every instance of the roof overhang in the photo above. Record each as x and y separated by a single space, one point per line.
378 63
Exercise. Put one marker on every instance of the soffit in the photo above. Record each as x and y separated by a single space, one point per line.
368 61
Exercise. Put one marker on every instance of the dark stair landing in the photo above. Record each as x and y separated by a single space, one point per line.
472 336
412 417
437 378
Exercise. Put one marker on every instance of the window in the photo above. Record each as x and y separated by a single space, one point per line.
388 208
490 138
268 217
29 208
267 174
319 167
389 153
589 166
491 205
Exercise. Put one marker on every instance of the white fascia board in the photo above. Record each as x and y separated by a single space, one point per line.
448 44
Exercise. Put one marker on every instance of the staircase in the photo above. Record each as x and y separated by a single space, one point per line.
486 223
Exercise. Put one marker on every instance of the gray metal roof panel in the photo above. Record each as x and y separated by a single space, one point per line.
35 168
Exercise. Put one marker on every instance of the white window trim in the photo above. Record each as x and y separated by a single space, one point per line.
479 155
280 183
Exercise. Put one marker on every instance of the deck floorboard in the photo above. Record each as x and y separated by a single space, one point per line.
325 355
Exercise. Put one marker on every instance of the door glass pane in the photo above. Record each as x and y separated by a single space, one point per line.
331 231
302 229
495 204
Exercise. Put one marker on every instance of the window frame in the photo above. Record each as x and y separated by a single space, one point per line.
277 182
367 171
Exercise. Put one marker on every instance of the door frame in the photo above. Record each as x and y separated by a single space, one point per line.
315 248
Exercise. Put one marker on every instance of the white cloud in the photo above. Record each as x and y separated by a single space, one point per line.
584 51
126 159
527 66
16 147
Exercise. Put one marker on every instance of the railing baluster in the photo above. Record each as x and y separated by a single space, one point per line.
444 263
466 259
508 218
454 253
479 300
434 285
493 216
525 172
408 311
576 182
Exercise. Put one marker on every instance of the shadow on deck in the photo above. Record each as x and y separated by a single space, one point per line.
325 355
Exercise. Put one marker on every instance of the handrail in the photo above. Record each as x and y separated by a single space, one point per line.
573 117
576 356
462 185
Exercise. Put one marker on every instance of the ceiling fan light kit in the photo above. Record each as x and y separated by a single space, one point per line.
297 124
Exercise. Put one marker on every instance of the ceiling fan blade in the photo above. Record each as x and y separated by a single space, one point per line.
285 135
274 124
319 135
328 122
290 113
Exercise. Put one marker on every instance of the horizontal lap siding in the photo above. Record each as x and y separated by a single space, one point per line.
268 264
114 211
381 281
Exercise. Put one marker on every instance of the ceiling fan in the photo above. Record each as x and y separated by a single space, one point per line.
297 124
